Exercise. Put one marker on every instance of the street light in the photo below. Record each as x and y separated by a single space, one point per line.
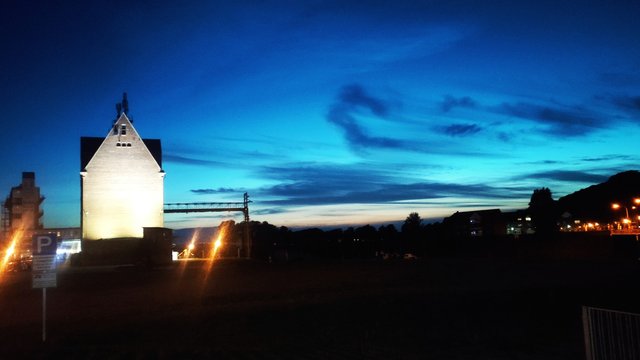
626 220
616 206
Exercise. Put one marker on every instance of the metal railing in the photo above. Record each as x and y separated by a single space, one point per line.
611 334
626 231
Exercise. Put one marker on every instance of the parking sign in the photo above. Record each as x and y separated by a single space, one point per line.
44 244
44 260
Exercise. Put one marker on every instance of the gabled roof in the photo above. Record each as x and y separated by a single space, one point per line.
89 146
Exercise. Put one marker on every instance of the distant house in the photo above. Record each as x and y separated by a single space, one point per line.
122 182
479 223
518 223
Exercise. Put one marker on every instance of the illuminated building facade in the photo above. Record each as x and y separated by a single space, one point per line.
122 182
21 210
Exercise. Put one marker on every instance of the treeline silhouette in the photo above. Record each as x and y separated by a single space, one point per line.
417 240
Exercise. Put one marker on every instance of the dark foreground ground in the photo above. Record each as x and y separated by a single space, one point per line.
426 309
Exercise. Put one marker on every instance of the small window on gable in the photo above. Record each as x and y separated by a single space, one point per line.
128 144
117 144
115 129
123 129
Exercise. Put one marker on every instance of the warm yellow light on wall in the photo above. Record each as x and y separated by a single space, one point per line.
122 188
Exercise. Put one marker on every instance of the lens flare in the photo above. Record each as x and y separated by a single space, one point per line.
188 251
216 246
11 249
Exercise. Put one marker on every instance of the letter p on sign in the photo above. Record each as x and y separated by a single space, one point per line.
44 244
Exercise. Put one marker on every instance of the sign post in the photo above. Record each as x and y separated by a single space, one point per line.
44 270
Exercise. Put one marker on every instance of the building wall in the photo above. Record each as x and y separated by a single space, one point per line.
122 187
22 207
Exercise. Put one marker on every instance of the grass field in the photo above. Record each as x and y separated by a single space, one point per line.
426 309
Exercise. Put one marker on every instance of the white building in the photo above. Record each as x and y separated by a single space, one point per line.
122 182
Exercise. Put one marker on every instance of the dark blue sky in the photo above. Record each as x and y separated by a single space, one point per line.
327 113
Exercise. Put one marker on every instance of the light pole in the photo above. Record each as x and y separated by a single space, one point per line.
626 220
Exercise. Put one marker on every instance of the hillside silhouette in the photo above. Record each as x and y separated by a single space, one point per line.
594 202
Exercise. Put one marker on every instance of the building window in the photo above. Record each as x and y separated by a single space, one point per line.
117 144
123 130
128 144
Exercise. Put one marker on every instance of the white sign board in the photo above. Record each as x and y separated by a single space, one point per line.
44 280
43 263
46 244
43 269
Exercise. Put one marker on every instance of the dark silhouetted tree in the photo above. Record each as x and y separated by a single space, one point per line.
367 241
412 223
543 210
411 230
390 239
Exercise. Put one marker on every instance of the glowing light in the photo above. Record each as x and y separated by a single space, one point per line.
217 244
626 221
11 249
215 247
615 206
186 253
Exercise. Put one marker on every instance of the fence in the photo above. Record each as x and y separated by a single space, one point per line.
611 334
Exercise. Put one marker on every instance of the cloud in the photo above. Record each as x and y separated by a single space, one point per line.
567 176
213 191
351 99
609 158
178 159
451 102
304 194
557 122
302 179
462 129
355 96
630 103
270 211
362 184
